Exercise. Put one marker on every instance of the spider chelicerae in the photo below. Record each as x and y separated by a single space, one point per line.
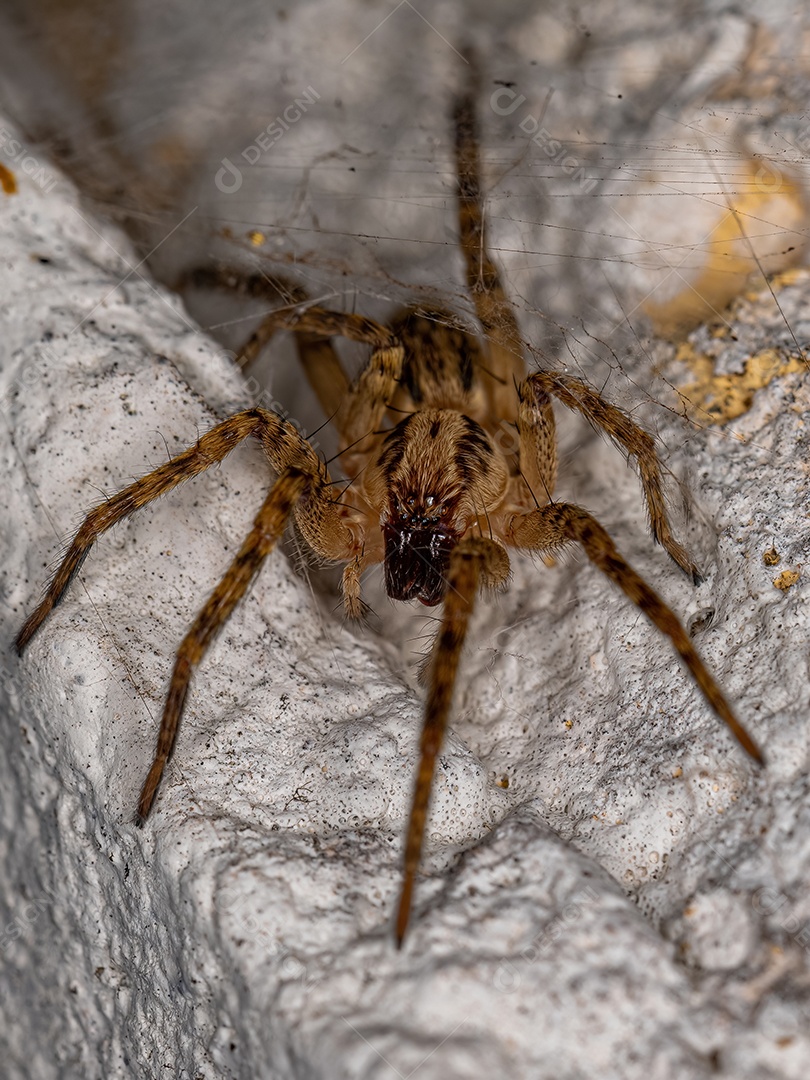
449 450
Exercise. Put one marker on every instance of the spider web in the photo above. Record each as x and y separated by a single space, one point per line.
638 167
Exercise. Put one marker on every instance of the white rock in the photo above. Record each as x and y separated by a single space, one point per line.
246 931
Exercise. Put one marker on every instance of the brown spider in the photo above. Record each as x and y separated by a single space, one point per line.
437 496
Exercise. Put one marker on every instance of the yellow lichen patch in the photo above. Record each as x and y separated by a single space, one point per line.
736 247
719 398
786 579
8 181
256 238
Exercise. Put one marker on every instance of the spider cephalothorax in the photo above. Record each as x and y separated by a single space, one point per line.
437 494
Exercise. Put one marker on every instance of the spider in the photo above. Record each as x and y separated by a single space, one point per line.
436 495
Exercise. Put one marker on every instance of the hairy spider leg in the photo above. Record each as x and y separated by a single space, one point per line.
356 408
268 526
506 365
537 451
476 561
303 486
498 320
551 527
629 437
210 448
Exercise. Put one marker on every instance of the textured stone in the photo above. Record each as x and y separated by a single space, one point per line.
632 904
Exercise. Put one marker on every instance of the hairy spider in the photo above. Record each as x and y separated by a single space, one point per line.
437 496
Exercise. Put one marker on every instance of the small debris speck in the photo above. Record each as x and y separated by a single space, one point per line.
771 557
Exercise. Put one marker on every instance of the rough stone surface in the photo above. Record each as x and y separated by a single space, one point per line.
632 904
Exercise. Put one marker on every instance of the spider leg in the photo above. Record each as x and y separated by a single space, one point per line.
362 406
303 486
209 449
351 587
537 432
634 440
495 313
323 369
358 408
474 562
283 446
259 286
268 526
553 526
319 360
